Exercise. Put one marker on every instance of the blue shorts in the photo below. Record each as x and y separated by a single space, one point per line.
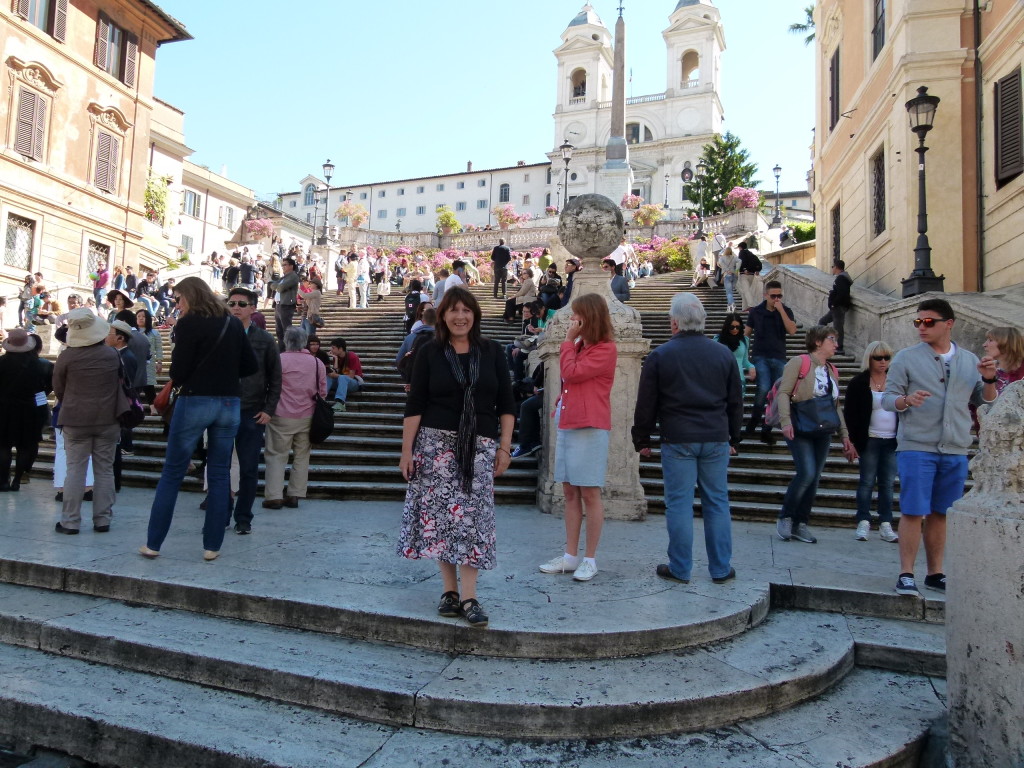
930 482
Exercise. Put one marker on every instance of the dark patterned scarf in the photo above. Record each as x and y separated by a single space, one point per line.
465 441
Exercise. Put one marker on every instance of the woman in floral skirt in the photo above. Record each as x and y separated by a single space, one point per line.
456 438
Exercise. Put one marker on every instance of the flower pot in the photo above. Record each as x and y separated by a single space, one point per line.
503 226
446 230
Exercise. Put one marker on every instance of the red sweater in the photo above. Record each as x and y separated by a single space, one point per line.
587 377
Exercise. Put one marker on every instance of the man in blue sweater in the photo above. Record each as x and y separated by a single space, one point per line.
930 386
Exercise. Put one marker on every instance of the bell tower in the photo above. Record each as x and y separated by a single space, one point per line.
585 63
694 42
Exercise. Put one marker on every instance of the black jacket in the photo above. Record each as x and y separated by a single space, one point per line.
261 391
203 369
501 256
749 263
690 387
839 296
857 410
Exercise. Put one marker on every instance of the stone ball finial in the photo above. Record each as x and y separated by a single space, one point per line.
591 227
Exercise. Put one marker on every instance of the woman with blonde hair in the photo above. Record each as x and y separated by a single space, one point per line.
583 419
1005 345
873 434
211 354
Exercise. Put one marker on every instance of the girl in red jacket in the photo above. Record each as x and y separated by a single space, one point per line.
583 417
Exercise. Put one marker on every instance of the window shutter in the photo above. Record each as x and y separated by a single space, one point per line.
21 7
115 146
102 173
60 21
1009 128
23 136
131 59
220 216
99 56
39 129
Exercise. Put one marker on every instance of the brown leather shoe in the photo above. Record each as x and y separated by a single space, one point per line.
292 502
272 503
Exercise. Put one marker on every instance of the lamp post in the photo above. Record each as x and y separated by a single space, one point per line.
566 150
328 169
777 218
702 170
921 110
666 191
558 197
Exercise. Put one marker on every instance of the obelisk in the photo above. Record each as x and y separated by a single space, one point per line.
615 179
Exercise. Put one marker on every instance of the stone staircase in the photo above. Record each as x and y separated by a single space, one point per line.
360 461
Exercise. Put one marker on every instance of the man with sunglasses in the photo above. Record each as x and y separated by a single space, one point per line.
930 386
260 394
769 322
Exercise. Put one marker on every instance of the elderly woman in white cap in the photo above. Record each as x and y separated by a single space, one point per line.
24 383
85 381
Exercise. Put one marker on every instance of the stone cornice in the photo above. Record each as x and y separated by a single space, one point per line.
34 74
109 117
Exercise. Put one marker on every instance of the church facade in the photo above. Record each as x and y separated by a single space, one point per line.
665 134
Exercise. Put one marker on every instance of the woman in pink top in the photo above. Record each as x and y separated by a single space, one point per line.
302 376
583 416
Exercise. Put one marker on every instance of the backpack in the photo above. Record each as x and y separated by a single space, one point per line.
404 366
412 301
771 403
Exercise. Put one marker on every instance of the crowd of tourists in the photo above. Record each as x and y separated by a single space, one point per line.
236 392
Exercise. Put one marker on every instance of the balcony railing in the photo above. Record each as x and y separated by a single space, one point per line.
686 84
577 100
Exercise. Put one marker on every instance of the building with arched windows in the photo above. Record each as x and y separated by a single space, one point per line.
665 133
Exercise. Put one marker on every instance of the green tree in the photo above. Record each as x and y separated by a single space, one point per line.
728 167
807 28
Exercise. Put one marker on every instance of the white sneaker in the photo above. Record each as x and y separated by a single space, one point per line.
886 533
863 529
586 571
557 565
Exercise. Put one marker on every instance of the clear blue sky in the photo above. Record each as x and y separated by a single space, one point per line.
403 88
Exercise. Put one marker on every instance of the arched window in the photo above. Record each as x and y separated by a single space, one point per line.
635 130
690 69
504 193
310 196
579 84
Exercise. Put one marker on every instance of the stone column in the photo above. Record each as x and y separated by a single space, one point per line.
590 228
985 600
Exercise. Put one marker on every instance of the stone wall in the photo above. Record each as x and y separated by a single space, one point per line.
878 316
985 599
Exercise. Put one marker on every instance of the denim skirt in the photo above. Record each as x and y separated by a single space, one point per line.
581 456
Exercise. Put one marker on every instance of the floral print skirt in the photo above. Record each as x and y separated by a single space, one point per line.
441 521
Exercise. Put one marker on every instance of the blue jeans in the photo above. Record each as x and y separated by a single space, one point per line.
768 370
341 387
248 445
809 455
730 285
877 464
194 415
682 466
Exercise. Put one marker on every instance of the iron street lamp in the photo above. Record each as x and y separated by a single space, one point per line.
328 169
558 197
702 171
777 218
566 150
921 110
666 191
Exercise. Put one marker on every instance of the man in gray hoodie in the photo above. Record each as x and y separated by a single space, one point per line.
930 386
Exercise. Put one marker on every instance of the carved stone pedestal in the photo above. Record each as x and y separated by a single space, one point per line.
590 228
985 599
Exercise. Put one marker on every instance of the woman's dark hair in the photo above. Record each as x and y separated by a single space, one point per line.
202 301
457 294
415 285
816 336
597 321
148 321
313 339
726 338
128 316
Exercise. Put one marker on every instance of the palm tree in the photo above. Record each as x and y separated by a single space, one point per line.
807 28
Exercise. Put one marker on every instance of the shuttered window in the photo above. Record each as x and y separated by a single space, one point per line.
117 51
1009 128
833 91
31 128
108 148
51 16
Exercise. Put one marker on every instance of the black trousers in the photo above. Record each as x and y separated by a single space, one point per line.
500 280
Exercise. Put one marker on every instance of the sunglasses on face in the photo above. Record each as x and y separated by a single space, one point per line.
242 304
735 327
880 358
927 322
775 296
